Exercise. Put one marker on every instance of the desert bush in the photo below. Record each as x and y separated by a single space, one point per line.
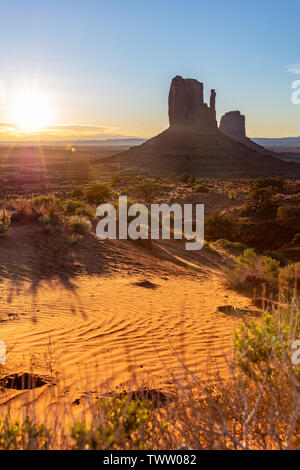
284 212
277 184
78 208
75 239
221 226
201 188
120 423
230 246
77 193
276 255
261 202
289 276
51 224
4 225
79 224
263 266
46 205
252 268
261 346
26 435
147 190
97 194
209 247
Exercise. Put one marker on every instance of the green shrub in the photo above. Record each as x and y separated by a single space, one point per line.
4 225
257 344
252 268
26 435
289 276
75 239
283 212
47 204
230 246
264 267
77 193
277 184
221 226
261 202
276 255
79 224
208 247
78 208
97 194
51 223
121 422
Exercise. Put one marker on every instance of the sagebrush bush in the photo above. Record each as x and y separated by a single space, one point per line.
253 268
97 194
147 190
46 204
4 225
235 247
79 224
221 226
277 183
77 193
289 276
78 208
276 255
26 435
75 239
120 422
261 202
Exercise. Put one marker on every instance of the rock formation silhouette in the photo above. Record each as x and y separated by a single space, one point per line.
186 104
194 144
233 124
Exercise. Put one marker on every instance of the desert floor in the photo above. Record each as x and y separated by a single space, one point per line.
90 334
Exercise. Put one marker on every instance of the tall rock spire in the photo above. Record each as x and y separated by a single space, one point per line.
186 104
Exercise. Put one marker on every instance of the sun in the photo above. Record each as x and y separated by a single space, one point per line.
31 110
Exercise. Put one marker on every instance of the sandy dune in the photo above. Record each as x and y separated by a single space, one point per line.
95 332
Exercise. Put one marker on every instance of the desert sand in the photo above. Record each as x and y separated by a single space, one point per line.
90 334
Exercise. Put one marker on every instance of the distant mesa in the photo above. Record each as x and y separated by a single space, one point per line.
194 144
233 125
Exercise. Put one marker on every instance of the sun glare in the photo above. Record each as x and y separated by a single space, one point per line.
31 110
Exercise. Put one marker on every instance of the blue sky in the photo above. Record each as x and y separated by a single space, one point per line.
108 64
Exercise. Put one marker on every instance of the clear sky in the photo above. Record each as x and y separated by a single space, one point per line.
105 66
